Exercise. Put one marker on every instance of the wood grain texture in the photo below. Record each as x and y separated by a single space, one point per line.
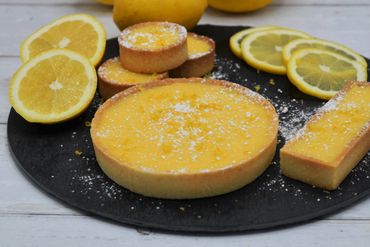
55 231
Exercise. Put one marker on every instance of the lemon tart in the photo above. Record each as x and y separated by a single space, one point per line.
333 141
113 78
151 47
185 138
201 57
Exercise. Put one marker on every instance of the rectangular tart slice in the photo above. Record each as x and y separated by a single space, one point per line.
333 141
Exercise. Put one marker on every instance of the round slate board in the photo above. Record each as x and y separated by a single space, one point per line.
50 155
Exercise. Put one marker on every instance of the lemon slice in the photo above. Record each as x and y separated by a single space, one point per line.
299 44
236 39
262 50
79 32
54 86
322 73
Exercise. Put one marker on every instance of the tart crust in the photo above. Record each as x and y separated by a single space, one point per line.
317 171
183 185
111 86
144 60
197 65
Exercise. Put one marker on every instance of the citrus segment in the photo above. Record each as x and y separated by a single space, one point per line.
322 73
79 32
54 86
262 50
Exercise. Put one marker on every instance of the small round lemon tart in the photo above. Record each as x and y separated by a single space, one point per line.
201 57
113 78
151 47
185 138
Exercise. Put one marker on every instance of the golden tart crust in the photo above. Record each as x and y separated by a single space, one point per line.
113 78
152 47
201 57
185 138
333 141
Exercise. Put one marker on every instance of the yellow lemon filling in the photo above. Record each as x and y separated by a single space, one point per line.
113 71
197 46
185 128
152 36
340 121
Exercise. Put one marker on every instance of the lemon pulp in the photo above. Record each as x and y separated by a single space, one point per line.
197 46
79 32
321 73
300 44
263 50
54 86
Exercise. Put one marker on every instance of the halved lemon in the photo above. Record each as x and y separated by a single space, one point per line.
299 44
236 39
262 50
322 73
54 86
78 32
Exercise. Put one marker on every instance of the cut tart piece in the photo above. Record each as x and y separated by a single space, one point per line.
152 47
113 78
185 138
333 141
201 57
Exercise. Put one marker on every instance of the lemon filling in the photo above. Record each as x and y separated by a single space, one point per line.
154 36
197 47
113 71
186 127
340 121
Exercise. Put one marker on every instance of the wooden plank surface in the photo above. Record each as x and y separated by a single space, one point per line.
57 231
30 217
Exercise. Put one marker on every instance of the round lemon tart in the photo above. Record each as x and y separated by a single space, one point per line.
201 57
151 47
113 78
185 138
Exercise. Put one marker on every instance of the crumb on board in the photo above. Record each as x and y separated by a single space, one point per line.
78 152
257 88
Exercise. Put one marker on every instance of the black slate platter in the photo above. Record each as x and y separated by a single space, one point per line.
60 159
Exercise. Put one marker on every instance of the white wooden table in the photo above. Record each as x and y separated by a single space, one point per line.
30 217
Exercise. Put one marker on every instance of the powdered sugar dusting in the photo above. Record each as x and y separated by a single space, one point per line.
133 37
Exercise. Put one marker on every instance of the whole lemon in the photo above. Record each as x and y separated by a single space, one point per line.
238 5
183 12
